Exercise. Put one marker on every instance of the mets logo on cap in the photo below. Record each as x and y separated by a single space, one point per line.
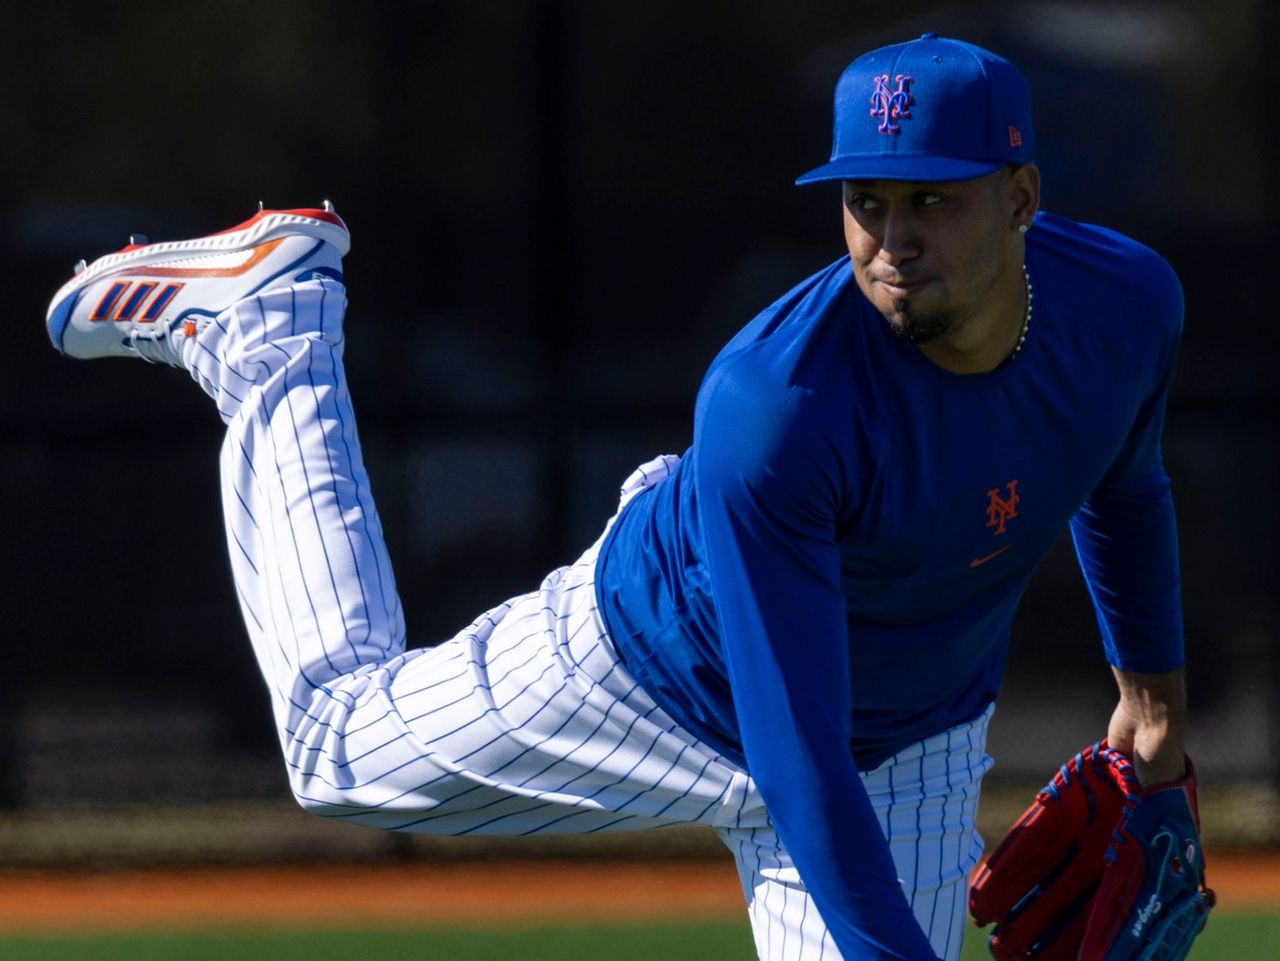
891 104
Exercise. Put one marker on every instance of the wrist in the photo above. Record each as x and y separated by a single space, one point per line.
1147 725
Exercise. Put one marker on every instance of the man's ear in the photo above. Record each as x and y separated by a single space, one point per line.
1024 191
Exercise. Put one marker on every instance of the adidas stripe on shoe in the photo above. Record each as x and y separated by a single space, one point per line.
145 299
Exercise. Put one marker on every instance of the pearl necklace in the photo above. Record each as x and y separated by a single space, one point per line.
1026 320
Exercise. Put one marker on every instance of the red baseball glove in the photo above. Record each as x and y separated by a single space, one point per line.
1097 869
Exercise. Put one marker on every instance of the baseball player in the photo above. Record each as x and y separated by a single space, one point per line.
793 633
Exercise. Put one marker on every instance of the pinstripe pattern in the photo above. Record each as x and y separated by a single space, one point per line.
926 798
523 723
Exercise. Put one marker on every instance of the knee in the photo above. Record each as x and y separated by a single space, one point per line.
316 796
313 805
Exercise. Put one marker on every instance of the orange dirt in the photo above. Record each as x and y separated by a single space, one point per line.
518 892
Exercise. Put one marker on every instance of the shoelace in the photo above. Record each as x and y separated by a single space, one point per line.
158 347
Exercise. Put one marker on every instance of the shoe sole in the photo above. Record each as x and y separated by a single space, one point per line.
263 231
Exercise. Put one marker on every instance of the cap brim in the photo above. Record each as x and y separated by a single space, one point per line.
902 167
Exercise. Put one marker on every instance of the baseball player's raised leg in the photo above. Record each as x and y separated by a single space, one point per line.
926 797
525 722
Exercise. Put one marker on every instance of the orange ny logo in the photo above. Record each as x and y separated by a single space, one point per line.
1001 509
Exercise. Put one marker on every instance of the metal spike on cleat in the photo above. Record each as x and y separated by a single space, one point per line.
261 207
81 266
139 240
328 206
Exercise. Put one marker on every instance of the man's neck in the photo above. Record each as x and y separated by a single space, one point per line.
989 336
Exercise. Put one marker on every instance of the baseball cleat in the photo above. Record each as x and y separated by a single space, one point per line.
145 299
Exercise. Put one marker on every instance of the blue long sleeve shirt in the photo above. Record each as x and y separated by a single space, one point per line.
830 572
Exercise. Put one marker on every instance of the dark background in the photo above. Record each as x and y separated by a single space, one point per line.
560 210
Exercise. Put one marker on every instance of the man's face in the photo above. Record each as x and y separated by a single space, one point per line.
930 256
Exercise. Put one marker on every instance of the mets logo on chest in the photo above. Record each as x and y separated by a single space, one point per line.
890 105
1002 509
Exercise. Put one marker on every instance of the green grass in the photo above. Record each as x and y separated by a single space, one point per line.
635 942
1230 937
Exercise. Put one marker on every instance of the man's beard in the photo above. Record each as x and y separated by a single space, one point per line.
916 328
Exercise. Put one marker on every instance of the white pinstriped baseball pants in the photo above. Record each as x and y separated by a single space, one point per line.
523 723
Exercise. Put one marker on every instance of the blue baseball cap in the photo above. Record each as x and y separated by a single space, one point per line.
928 109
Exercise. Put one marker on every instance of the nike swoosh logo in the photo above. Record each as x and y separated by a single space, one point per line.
979 561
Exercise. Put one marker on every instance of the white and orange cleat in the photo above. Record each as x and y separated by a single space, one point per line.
145 299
